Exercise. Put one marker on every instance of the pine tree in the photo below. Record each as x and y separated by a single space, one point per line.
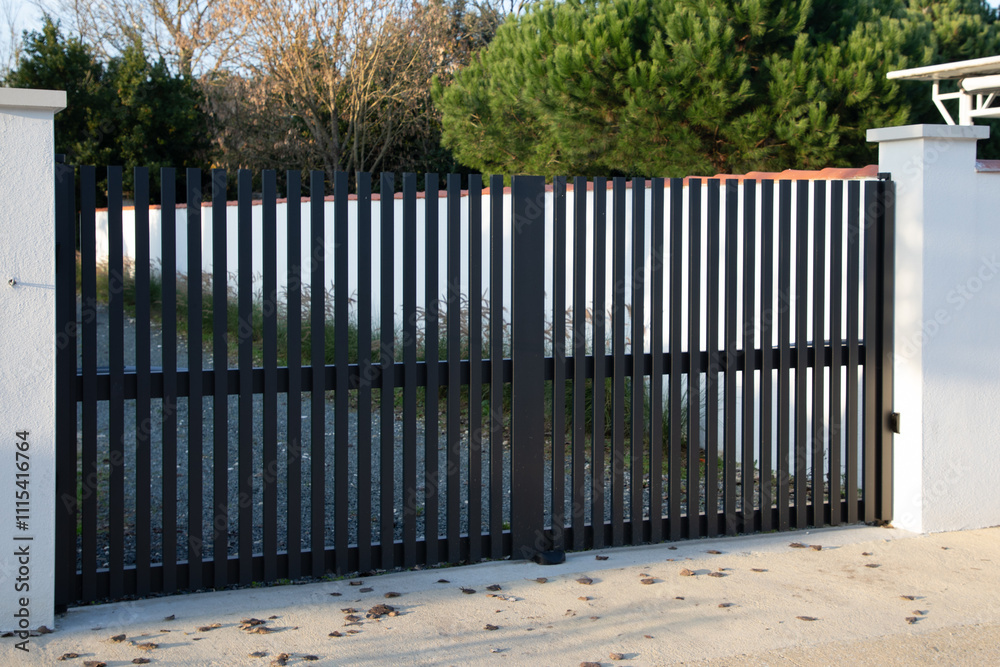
670 88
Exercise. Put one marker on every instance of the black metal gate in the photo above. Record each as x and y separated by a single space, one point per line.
464 428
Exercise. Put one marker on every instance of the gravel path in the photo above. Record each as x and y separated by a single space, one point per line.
181 466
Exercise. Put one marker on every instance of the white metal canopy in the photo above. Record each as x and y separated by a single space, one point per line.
978 83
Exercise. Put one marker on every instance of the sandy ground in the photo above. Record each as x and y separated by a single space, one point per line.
847 603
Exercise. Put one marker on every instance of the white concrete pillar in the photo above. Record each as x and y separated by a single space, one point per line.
27 359
946 461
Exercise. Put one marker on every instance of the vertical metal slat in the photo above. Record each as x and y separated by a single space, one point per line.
142 527
712 379
220 366
454 415
784 349
767 350
116 404
579 478
365 372
387 355
836 343
636 427
317 359
496 366
475 367
730 416
409 370
245 361
432 478
168 329
269 450
558 519
195 380
293 307
694 444
749 326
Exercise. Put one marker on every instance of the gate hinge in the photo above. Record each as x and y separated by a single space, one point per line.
894 422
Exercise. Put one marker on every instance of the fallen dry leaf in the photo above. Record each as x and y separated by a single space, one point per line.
366 590
713 551
616 656
816 547
352 618
310 658
908 597
68 656
271 617
678 598
584 598
353 632
380 610
872 565
392 594
258 654
866 553
807 618
335 633
490 626
647 581
594 618
467 591
586 581
349 610
911 619
147 646
717 574
797 545
723 605
250 622
672 548
94 663
590 664
169 618
206 628
541 580
281 659
118 638
648 636
442 581
493 587
140 661
757 569
353 583
260 630
336 595
600 557
918 612
686 573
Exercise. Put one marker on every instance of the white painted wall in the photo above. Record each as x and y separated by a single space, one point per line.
27 361
232 259
947 357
